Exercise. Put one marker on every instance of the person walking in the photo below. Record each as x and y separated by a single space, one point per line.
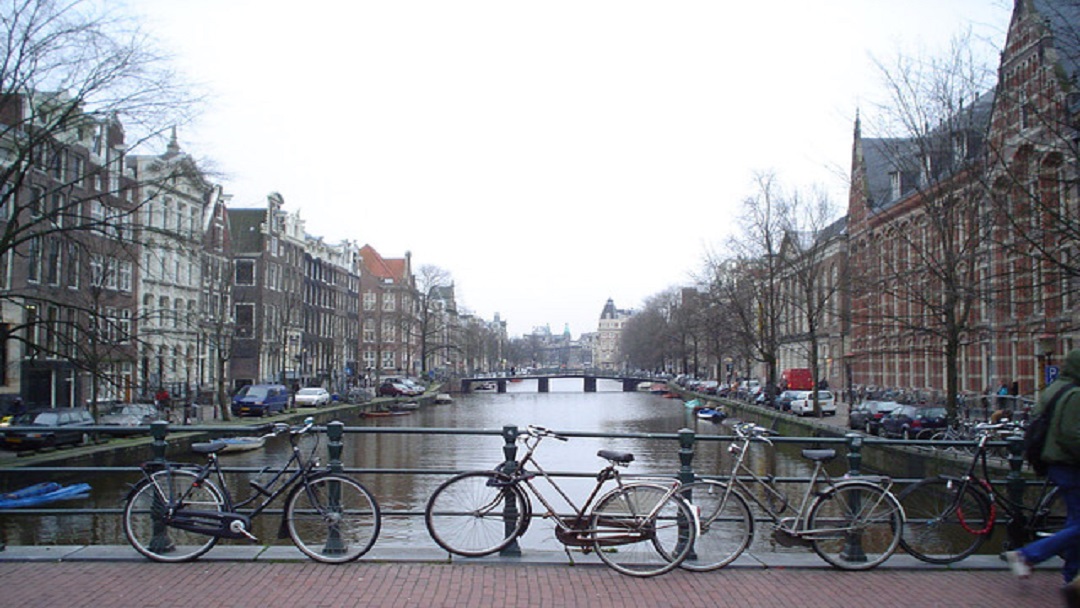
1062 453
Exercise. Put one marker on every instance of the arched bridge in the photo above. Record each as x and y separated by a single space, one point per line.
629 382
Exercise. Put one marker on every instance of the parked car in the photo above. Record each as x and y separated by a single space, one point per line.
913 422
71 419
407 388
783 402
130 415
394 389
867 415
260 399
804 404
312 397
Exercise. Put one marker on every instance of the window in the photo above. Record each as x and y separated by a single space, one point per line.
369 330
245 272
369 300
388 360
388 302
33 260
245 320
52 262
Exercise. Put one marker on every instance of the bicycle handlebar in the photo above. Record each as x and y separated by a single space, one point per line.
1005 425
539 431
281 427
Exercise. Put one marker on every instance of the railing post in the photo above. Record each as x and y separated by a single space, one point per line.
853 551
159 429
1015 485
159 541
335 430
854 453
510 508
686 455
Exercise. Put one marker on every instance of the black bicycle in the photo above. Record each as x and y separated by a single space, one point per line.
178 511
950 517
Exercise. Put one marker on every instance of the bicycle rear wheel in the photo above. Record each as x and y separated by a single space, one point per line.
146 506
727 525
639 532
855 526
332 518
947 520
477 513
1050 515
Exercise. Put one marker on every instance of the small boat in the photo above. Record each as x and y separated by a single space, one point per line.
711 414
42 493
241 444
484 387
403 407
443 398
385 413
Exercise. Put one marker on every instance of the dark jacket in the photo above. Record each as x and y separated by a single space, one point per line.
1063 438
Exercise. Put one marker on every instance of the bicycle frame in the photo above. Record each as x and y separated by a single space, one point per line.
225 527
796 525
572 529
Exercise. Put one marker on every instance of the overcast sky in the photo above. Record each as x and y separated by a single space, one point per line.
548 155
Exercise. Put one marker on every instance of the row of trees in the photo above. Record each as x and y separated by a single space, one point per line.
976 231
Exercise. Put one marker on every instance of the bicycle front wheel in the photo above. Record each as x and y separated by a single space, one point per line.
947 520
332 518
477 513
641 531
727 525
855 526
1050 515
148 504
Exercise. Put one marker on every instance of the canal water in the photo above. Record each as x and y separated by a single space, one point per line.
402 497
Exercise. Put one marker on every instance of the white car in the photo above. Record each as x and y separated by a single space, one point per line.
803 404
312 397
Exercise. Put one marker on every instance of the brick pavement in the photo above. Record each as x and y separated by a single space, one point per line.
244 584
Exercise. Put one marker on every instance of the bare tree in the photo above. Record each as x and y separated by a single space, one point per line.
920 272
435 310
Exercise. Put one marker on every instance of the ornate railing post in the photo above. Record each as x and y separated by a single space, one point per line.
510 508
160 541
686 455
853 551
1016 485
335 431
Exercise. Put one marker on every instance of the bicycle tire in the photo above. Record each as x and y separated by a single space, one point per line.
147 501
661 527
477 513
726 525
855 525
947 520
1050 515
332 518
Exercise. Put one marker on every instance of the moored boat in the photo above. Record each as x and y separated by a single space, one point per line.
403 407
385 413
711 414
443 398
241 444
41 493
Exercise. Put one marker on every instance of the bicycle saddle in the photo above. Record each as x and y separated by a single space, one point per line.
619 457
819 455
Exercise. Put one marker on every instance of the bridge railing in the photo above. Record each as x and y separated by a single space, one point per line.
682 445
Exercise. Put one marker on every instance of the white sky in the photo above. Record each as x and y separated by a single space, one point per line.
549 155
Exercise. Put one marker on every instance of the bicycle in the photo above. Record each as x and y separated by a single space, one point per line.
950 517
178 511
851 523
638 528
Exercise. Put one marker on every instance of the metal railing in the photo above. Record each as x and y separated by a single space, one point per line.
684 443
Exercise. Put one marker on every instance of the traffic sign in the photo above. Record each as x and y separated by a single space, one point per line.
1051 373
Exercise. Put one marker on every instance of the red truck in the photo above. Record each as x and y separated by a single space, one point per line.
797 379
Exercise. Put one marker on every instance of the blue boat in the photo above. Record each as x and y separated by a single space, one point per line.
712 414
42 493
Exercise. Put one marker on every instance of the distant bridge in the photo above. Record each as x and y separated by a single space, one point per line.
629 382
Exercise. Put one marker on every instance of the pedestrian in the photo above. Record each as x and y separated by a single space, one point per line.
1062 453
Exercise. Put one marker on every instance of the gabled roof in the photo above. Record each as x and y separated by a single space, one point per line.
383 268
1062 18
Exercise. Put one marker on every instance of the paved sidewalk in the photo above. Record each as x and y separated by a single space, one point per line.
112 577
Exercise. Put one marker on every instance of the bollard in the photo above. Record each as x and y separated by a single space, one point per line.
1015 485
509 467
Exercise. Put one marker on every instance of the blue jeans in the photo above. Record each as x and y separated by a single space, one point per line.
1066 542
